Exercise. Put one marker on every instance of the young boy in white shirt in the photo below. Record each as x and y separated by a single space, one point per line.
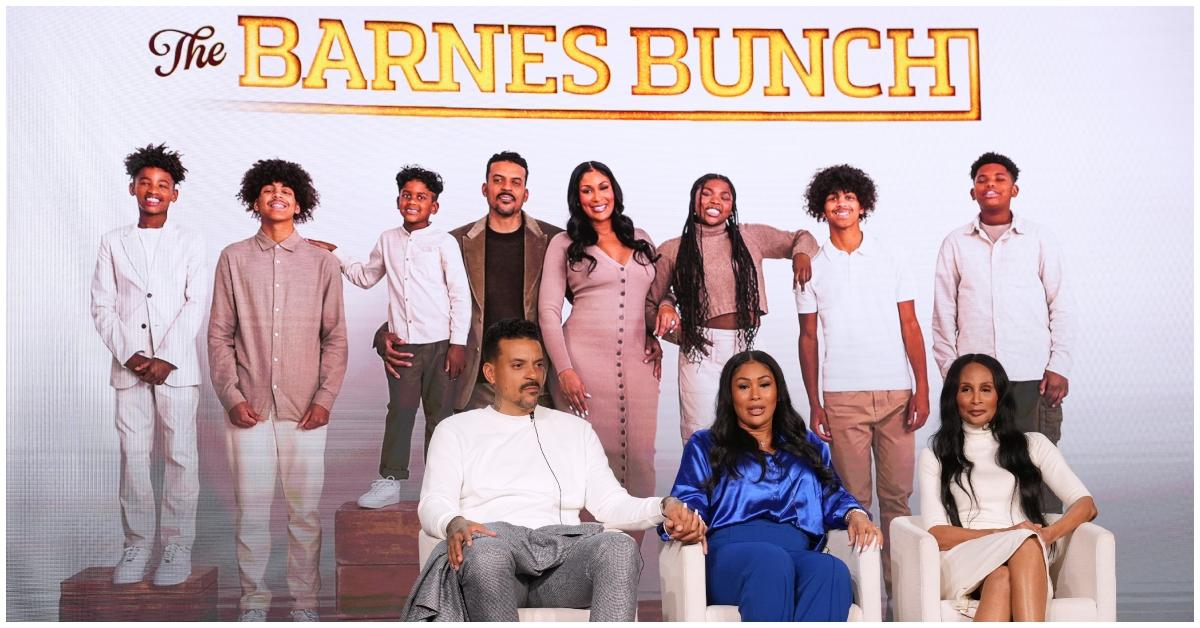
875 386
429 307
999 289
148 298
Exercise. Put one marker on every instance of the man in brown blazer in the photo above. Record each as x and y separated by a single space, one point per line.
497 249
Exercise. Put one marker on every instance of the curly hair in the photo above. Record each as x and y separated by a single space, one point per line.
995 158
264 172
731 443
583 234
691 295
842 178
431 179
155 157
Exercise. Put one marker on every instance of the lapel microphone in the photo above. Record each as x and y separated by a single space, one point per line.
552 473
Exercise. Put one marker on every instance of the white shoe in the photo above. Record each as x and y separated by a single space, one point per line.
254 614
383 492
305 614
132 567
175 566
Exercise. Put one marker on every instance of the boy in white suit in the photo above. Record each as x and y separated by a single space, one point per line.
148 296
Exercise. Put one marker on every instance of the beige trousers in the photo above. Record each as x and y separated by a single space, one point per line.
258 455
139 408
872 422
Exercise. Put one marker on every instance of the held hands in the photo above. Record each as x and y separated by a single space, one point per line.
244 416
801 269
461 531
1053 388
456 360
654 354
316 416
684 524
153 371
388 345
916 411
863 534
820 423
575 392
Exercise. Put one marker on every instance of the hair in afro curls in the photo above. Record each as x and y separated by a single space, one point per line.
264 172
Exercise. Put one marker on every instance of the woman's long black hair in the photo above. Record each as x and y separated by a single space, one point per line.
1013 456
583 234
731 443
688 283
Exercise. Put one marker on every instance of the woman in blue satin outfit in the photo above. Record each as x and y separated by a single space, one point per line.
767 489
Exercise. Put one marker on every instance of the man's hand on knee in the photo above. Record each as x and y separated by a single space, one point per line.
458 532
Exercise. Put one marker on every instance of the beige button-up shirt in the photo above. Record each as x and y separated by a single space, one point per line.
277 333
1006 299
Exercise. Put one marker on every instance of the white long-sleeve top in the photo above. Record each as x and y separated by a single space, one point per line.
996 503
1005 299
488 466
429 299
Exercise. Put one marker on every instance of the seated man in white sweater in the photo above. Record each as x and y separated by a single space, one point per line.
534 469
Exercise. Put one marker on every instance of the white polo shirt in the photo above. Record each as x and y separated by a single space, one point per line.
855 296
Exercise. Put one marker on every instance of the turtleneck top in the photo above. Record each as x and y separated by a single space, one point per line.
993 501
762 241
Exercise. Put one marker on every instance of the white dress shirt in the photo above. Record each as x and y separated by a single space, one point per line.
429 299
855 296
1006 299
488 466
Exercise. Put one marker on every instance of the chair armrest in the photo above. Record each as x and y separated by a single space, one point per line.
425 545
681 574
916 572
1088 569
865 573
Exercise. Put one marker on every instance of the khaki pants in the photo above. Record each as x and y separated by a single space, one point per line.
866 422
258 455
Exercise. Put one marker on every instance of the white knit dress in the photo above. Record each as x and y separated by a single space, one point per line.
995 503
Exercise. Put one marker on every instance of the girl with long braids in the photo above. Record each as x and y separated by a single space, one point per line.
607 266
981 481
765 485
715 273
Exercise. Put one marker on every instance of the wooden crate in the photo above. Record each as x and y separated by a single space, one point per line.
90 595
377 561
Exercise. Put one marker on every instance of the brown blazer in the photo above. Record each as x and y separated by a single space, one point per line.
471 238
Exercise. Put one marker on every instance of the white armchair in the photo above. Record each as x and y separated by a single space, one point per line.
685 598
425 545
1085 577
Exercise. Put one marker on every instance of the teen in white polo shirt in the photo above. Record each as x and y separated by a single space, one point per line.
874 351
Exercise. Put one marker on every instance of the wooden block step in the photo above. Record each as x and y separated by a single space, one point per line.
90 595
385 536
373 591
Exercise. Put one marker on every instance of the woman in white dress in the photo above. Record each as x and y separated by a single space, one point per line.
980 498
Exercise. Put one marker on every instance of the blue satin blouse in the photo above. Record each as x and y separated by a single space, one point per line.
790 492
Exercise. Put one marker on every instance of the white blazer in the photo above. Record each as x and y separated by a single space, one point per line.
135 306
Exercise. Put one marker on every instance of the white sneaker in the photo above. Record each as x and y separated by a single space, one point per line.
383 492
305 614
132 567
175 566
254 614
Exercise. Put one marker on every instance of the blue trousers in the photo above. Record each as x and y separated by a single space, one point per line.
771 572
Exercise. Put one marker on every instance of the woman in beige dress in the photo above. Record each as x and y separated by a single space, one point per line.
605 267
981 484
